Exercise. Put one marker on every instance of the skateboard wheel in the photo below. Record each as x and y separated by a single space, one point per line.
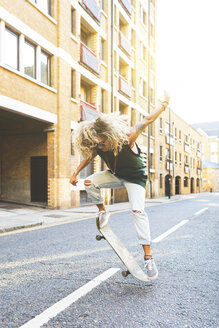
125 273
98 237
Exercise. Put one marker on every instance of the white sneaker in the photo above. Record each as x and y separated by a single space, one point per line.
103 217
151 269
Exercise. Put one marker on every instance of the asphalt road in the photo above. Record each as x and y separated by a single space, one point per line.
40 267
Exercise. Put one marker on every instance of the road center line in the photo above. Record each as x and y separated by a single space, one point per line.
60 306
168 232
201 211
174 228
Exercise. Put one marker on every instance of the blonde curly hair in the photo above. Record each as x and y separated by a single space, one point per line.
113 127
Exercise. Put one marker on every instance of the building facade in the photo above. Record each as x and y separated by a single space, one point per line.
62 62
210 141
179 154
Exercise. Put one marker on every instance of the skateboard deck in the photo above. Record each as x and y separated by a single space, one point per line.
127 259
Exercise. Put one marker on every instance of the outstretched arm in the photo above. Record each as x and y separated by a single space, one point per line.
140 127
81 166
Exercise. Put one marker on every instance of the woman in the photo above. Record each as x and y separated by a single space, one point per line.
110 138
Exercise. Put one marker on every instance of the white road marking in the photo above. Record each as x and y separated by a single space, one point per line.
201 211
168 232
60 306
174 228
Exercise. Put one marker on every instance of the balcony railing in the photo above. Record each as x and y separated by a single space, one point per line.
124 87
125 44
127 6
92 8
89 59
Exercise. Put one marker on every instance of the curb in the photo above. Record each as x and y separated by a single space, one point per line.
19 227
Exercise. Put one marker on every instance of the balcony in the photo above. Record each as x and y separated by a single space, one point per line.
92 8
124 87
126 4
88 111
124 44
89 59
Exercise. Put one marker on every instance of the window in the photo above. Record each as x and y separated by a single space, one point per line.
103 5
102 100
175 133
185 182
167 128
133 72
45 68
73 22
186 138
175 157
103 50
115 61
214 158
29 59
133 40
44 5
161 153
214 147
142 87
161 181
73 84
167 154
11 49
180 136
143 16
161 124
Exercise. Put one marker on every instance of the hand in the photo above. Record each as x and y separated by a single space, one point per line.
74 180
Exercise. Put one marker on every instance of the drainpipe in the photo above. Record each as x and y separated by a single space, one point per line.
112 55
149 99
112 73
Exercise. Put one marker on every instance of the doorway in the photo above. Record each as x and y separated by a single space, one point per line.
177 185
38 172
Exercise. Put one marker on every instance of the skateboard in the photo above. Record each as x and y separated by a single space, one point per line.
127 259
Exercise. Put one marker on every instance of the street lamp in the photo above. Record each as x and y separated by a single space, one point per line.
169 156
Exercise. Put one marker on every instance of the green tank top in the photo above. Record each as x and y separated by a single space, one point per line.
127 165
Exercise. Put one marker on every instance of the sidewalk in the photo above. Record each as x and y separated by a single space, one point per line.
16 216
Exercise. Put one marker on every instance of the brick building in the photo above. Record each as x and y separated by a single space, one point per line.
179 154
210 140
60 63
66 61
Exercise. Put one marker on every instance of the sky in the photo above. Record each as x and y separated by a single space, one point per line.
188 57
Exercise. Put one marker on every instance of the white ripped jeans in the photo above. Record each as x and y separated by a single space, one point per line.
136 194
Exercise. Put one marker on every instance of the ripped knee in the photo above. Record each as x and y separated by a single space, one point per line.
136 212
87 183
